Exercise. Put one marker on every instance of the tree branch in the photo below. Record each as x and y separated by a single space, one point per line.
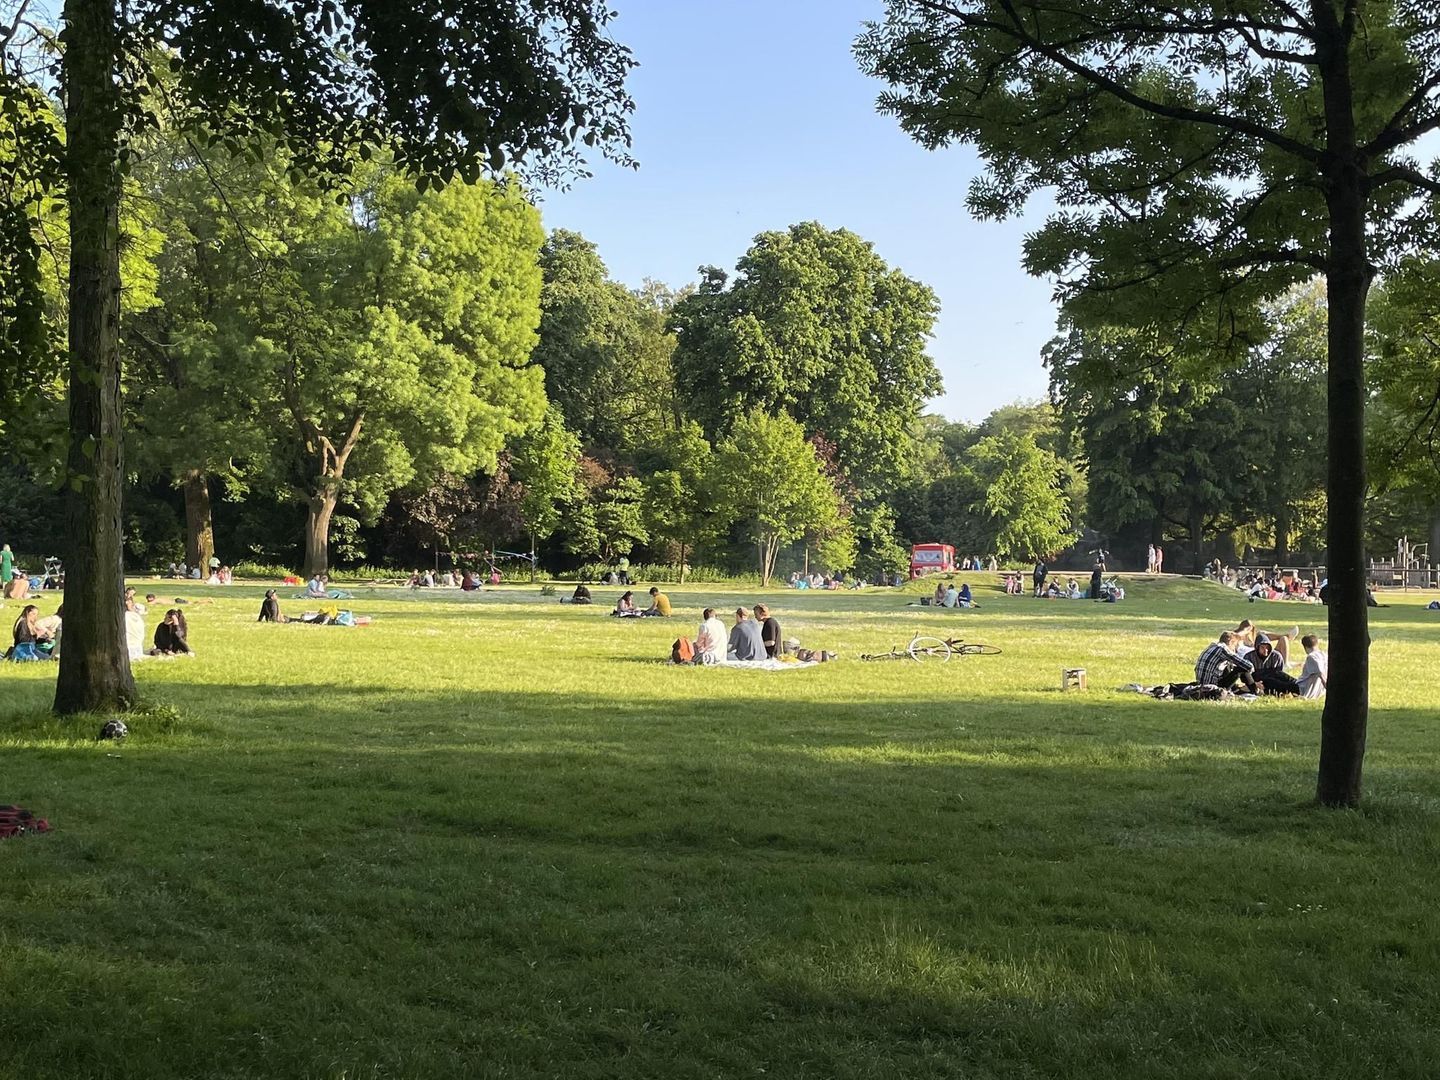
1016 30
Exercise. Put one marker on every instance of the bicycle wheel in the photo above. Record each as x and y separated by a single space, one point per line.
924 648
977 650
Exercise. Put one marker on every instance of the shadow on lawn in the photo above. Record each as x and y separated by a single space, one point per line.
586 887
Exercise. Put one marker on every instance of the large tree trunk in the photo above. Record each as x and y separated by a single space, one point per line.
1282 533
199 526
94 664
1347 699
1197 540
317 532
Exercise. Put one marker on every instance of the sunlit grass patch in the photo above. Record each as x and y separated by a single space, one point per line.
501 836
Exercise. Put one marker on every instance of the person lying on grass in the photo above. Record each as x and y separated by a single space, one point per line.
1247 634
659 604
745 640
171 636
1219 665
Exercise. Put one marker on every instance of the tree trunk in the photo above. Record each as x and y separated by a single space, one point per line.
1434 551
1197 540
1347 696
199 527
1282 533
682 563
317 532
94 664
532 557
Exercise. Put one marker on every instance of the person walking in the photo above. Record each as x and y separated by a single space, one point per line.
7 565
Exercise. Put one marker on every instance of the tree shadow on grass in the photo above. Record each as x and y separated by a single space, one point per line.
654 888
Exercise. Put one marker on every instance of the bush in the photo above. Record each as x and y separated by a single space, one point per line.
267 571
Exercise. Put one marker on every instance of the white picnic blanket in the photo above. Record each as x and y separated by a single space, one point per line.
767 665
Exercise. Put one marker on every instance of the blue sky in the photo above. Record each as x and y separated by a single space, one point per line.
753 116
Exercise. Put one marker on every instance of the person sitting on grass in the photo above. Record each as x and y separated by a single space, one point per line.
710 640
965 598
581 595
1270 671
745 640
316 589
1219 665
770 635
659 604
952 595
171 635
27 633
1316 672
938 599
625 606
270 608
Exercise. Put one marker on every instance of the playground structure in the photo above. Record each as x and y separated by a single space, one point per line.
1409 569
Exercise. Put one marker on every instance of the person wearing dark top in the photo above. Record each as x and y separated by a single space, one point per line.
1097 578
1270 670
1039 575
170 635
582 594
769 630
269 609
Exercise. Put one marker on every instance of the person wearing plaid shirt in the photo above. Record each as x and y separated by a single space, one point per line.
1219 666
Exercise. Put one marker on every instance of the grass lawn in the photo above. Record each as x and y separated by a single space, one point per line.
497 836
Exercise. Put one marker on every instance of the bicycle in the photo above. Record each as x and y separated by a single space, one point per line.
923 647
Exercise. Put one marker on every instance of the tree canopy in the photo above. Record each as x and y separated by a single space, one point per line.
1203 160
817 325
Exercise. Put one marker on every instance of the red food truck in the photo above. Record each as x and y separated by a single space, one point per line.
931 559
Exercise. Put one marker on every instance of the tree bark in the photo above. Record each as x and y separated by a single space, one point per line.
317 531
1282 533
94 664
199 526
1197 539
1347 280
682 563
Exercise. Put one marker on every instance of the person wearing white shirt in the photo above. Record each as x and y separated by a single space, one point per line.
952 596
711 639
1316 671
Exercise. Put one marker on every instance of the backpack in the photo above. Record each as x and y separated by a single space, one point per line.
682 652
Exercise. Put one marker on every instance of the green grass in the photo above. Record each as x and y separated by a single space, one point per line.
497 837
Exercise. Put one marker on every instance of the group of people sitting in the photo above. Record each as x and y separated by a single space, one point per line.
947 596
755 636
626 608
1047 588
219 574
1253 661
172 633
468 580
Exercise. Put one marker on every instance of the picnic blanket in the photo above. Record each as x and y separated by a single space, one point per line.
767 665
332 594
